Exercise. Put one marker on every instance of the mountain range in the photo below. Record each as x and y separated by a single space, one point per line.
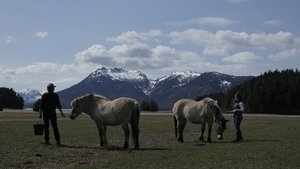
165 91
29 96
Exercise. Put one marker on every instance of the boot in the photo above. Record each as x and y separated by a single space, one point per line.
47 142
239 136
58 143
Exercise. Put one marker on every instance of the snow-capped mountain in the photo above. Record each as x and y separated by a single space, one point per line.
29 96
179 78
119 74
118 82
111 83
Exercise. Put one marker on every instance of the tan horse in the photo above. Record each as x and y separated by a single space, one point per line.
198 112
104 112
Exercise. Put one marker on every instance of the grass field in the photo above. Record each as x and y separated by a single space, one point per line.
269 142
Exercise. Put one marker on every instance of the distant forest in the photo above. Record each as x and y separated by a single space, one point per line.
274 92
10 99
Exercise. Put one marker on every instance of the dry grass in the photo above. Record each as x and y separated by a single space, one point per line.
270 142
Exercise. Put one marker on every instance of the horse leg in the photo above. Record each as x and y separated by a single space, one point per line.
135 134
180 127
100 133
209 133
126 133
104 136
201 138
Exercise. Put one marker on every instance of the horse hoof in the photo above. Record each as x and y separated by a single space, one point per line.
201 139
180 141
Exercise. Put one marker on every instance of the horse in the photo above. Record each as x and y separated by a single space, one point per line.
198 112
104 112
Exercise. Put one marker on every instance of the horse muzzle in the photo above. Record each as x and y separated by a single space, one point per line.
72 117
220 137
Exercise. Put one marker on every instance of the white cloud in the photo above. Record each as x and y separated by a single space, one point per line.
286 55
38 75
133 37
10 40
41 35
273 22
132 56
212 21
236 1
222 41
242 57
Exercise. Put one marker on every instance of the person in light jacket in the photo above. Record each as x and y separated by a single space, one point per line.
238 110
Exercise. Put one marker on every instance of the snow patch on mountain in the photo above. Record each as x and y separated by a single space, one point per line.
29 96
225 83
183 77
119 74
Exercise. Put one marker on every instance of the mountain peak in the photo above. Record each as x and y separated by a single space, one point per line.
118 74
29 96
182 76
29 91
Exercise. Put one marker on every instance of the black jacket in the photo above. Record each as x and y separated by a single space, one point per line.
49 102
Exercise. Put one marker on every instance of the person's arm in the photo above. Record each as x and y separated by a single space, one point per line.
241 107
61 112
41 108
40 111
58 105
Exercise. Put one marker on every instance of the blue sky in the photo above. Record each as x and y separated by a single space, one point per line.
62 41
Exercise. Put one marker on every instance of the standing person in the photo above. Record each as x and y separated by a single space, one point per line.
238 110
49 103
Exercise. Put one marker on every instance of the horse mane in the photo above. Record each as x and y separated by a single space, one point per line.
99 97
213 104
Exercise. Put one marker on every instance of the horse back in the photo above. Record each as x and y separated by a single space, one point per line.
178 108
124 105
119 111
191 110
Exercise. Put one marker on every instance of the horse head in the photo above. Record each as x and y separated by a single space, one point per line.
76 108
220 127
84 104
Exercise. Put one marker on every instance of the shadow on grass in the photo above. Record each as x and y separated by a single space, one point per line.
244 141
201 143
114 148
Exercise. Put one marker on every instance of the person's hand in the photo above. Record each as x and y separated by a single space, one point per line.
229 111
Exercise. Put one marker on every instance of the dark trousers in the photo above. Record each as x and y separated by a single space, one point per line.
238 117
51 116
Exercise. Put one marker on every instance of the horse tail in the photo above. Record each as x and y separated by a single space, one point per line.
135 125
175 125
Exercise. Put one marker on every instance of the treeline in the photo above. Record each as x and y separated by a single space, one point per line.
149 105
274 92
10 99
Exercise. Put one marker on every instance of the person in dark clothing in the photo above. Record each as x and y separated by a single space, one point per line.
49 103
238 110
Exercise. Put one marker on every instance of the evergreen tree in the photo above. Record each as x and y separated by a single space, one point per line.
275 92
10 99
